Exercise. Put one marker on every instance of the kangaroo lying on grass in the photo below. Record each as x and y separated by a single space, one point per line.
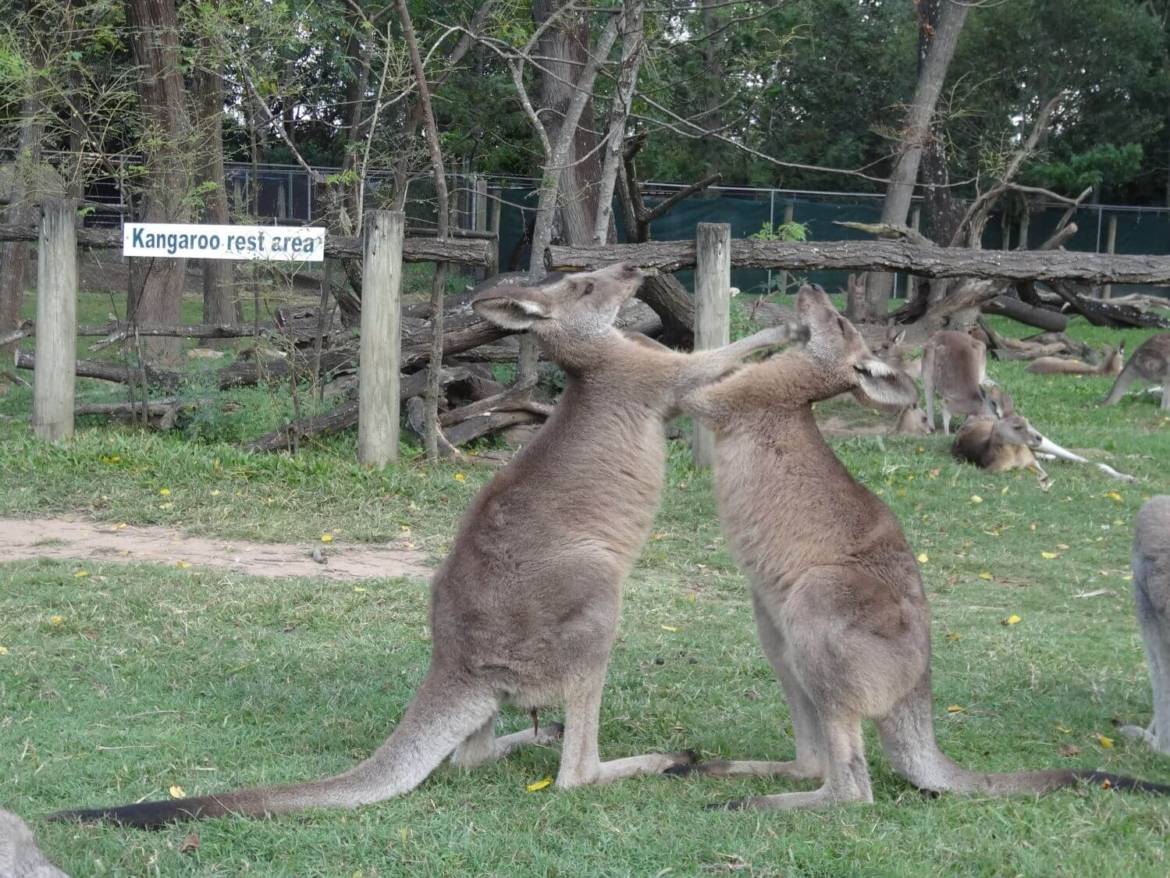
837 595
1111 364
1151 362
1151 591
1001 444
524 610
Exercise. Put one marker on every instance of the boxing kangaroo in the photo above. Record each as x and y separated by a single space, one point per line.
524 610
837 594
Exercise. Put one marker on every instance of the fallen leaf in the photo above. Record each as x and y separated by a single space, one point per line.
183 565
190 843
1013 619
670 628
3 650
1106 743
1064 730
459 477
954 635
537 786
56 620
1114 496
1069 749
975 498
177 792
166 505
164 492
1048 556
923 558
326 538
954 708
214 493
359 589
81 574
986 574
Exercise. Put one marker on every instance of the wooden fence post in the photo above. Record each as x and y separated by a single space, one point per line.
712 310
54 377
379 350
1110 248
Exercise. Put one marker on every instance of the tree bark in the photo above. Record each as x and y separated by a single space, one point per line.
915 134
14 255
219 302
157 295
928 260
442 206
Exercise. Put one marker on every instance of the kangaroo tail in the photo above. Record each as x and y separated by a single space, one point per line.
435 723
907 735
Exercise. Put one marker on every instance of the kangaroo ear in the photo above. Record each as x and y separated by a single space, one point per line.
881 386
515 309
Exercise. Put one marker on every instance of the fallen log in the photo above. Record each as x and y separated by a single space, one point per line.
344 416
1101 312
1022 312
921 259
110 371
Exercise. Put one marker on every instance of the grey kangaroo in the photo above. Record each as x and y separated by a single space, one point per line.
837 594
524 610
19 855
1151 592
1151 362
954 366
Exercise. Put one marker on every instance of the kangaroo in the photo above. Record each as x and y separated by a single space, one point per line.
1000 444
19 855
1151 591
911 422
1151 362
837 594
1111 364
954 365
524 609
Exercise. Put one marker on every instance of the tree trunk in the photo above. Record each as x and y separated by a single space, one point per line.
219 302
157 296
14 255
915 134
564 51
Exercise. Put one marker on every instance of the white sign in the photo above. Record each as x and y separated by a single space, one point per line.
183 240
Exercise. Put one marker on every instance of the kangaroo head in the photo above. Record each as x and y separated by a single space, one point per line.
565 307
997 402
1015 430
912 422
847 363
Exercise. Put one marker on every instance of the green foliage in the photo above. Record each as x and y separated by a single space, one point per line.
1103 165
789 231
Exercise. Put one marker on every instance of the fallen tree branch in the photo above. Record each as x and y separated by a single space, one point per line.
110 372
925 260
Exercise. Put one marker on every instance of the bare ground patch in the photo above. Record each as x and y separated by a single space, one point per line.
82 540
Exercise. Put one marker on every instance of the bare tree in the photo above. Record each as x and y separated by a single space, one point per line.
913 137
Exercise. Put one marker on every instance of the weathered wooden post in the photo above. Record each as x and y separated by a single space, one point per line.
53 379
380 347
1110 248
712 310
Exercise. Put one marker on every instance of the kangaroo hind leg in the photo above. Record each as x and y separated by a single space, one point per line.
483 745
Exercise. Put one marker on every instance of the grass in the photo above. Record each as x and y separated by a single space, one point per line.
154 676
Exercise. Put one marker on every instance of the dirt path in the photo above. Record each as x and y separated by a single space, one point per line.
82 540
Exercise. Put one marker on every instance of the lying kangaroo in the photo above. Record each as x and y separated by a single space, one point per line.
1000 444
837 595
1151 362
1111 364
911 422
954 365
524 610
1151 591
19 855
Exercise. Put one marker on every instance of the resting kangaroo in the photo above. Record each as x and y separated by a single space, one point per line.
1151 362
1111 364
837 595
954 366
1151 592
1000 444
524 610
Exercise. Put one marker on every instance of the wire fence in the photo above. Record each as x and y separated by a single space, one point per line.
287 193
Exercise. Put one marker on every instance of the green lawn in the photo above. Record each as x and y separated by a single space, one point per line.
157 676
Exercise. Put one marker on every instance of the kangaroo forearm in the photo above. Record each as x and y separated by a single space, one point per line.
705 367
